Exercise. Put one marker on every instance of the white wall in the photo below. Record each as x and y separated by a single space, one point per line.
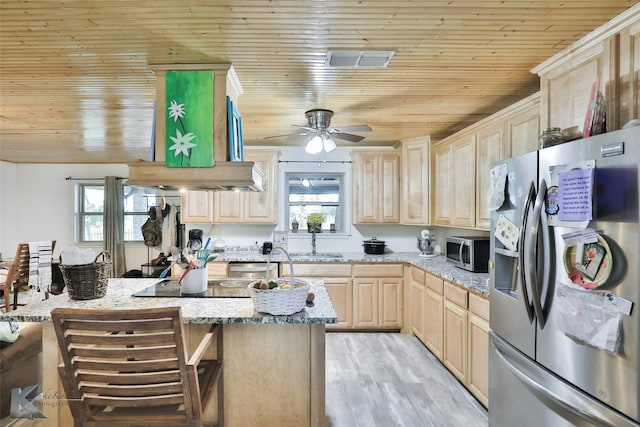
37 203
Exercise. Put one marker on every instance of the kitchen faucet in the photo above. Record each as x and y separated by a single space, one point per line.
313 242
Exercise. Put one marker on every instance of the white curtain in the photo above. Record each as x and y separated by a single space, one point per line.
114 224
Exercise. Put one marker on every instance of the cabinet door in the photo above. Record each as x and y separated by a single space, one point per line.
455 340
415 181
227 207
262 207
442 185
389 190
376 190
433 328
196 207
417 306
464 178
366 194
629 79
365 303
479 358
390 303
340 292
523 132
566 87
490 141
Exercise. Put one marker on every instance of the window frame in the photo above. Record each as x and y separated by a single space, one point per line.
340 220
298 163
82 213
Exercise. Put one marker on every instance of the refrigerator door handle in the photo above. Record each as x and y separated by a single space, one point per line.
533 277
576 407
521 253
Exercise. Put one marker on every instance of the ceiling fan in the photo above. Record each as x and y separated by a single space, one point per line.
322 135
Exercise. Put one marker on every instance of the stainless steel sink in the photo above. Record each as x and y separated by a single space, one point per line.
318 255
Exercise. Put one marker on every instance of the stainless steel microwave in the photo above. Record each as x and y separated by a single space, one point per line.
470 253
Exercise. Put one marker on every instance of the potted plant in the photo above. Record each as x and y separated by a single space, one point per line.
314 222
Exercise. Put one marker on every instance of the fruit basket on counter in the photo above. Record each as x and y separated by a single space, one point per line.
279 296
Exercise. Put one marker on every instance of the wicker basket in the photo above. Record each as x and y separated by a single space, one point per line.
87 281
280 301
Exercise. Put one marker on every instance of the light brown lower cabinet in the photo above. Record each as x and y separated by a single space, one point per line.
417 302
365 296
478 367
337 279
455 331
377 296
455 328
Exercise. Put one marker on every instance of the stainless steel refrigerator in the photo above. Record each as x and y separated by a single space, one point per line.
549 363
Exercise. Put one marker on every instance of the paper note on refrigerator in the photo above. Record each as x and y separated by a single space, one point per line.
498 181
507 233
575 194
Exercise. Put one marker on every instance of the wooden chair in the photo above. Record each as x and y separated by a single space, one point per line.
18 275
130 367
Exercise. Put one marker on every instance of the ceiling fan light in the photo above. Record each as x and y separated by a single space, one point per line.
314 146
329 144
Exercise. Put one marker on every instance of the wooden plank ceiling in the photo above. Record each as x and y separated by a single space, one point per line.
76 84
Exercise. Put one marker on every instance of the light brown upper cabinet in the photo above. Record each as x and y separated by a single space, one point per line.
453 193
415 181
234 207
522 125
376 186
490 145
629 78
196 207
230 207
610 51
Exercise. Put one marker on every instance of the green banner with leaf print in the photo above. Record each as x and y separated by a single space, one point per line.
189 119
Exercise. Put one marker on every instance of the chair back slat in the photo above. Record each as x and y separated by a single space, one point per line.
147 353
129 377
125 365
147 391
151 338
123 359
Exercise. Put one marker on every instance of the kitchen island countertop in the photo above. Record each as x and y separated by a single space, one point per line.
194 310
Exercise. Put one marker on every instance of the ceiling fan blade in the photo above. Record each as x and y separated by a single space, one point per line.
347 137
358 128
279 136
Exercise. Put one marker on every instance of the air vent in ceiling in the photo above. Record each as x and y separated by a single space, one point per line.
358 58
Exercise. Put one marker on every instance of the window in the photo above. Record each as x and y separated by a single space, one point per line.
91 209
315 193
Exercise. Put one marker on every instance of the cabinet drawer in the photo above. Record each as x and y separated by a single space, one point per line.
455 294
434 283
316 270
417 275
479 306
377 270
218 269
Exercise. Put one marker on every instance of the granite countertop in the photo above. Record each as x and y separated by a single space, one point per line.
474 282
194 310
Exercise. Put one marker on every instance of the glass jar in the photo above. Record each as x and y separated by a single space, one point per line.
550 137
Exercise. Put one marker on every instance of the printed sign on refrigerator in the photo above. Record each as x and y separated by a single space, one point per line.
570 196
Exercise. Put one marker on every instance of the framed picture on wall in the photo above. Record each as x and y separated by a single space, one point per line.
234 124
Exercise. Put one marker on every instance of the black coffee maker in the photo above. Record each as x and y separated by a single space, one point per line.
195 239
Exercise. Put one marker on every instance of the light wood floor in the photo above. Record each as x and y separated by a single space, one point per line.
385 380
389 379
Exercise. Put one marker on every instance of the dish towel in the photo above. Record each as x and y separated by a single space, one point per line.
40 254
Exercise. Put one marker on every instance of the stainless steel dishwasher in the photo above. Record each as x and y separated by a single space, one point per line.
252 270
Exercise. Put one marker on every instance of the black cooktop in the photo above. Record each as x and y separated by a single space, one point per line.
218 288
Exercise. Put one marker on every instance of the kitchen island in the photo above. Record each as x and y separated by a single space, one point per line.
273 366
